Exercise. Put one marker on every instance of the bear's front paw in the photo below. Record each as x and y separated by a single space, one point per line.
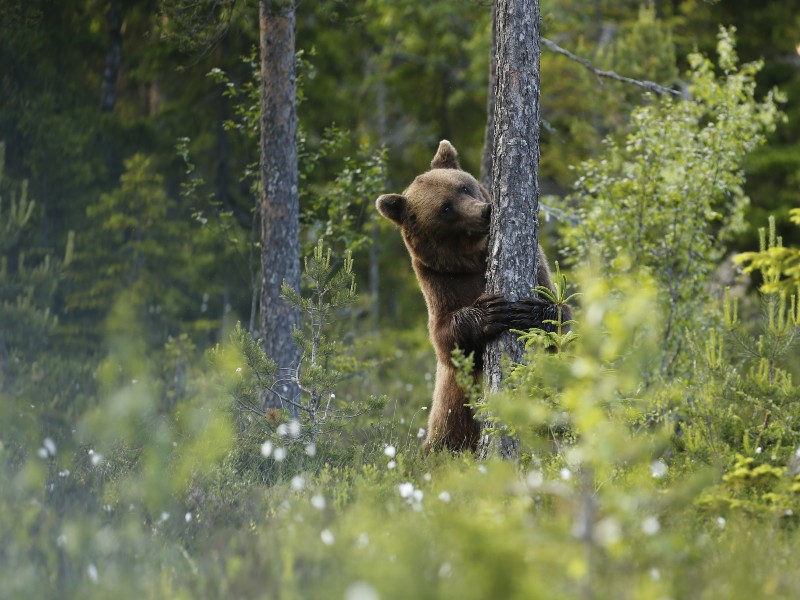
496 313
534 312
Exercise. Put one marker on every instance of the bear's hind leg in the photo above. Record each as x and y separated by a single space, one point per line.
450 423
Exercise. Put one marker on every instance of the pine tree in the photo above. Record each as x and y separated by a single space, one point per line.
279 206
27 286
514 235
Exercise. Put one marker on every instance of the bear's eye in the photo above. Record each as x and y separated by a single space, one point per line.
446 208
465 190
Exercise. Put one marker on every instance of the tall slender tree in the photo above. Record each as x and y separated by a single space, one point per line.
514 234
279 205
108 88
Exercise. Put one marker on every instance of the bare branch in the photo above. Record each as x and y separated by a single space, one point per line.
253 410
647 85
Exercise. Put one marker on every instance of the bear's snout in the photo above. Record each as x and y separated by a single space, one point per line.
487 212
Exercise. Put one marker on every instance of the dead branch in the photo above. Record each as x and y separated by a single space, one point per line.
647 85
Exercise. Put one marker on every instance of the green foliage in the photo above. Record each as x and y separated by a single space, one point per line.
779 266
325 363
563 336
341 211
189 495
746 402
668 197
336 208
139 245
645 50
29 280
152 471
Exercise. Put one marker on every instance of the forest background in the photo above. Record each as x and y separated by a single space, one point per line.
137 457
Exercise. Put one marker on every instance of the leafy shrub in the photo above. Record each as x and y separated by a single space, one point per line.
668 196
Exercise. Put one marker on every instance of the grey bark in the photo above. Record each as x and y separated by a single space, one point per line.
514 234
488 138
279 204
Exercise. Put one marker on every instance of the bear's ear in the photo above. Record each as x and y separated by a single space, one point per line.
446 157
393 207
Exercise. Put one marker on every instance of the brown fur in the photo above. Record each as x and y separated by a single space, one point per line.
444 219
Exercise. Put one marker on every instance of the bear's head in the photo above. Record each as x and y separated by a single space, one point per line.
444 216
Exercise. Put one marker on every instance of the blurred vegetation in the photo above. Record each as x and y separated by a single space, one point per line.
660 435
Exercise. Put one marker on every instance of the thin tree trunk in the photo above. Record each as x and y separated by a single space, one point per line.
374 253
488 138
280 227
514 235
222 176
108 87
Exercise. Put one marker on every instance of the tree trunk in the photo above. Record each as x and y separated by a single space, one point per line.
488 138
108 87
279 206
514 235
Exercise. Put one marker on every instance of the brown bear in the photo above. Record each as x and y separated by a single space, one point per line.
444 218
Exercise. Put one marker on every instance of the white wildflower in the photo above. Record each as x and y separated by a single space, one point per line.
445 570
444 497
390 451
658 468
406 489
651 526
565 473
50 446
298 483
282 430
391 465
421 433
361 590
279 454
318 501
311 449
721 522
608 531
294 428
91 571
266 449
188 517
326 535
535 479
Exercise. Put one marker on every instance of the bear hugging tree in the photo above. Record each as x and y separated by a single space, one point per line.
444 218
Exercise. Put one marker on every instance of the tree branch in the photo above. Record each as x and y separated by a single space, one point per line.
647 85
